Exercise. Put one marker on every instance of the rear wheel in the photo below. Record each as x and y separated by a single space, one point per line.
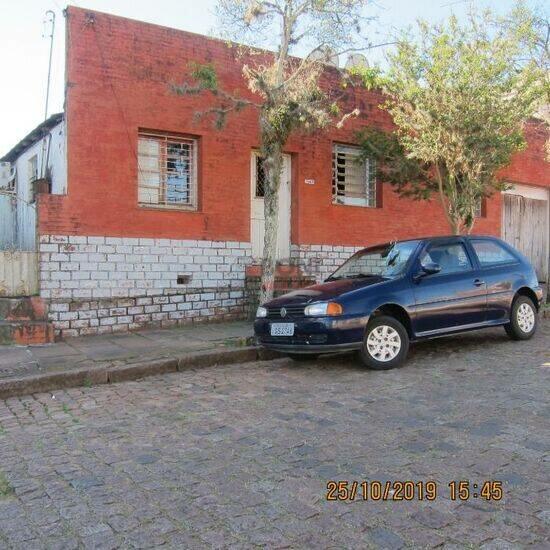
385 345
523 320
303 356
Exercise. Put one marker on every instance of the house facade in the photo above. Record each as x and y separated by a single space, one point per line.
160 216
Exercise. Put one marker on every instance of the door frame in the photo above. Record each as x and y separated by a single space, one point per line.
535 192
283 252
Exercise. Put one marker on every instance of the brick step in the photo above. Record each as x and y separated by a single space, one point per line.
26 332
28 308
24 321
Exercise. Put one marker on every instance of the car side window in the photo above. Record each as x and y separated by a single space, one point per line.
452 258
491 253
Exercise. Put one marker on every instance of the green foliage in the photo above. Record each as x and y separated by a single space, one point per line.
370 77
5 487
459 97
205 75
410 177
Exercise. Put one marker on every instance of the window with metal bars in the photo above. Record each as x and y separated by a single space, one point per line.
353 178
167 171
261 177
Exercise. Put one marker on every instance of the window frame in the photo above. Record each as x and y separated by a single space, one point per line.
481 209
370 180
32 162
257 165
461 242
194 187
514 260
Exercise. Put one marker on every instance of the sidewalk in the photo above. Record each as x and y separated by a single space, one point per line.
112 358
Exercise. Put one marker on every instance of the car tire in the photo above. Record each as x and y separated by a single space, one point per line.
301 357
523 319
385 345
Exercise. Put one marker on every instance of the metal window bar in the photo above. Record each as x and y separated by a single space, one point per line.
353 180
260 177
167 171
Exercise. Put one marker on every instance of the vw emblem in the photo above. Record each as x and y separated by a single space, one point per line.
283 312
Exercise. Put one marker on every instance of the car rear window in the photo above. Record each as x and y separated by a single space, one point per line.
492 253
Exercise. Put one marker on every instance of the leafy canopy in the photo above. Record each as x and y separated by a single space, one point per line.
459 95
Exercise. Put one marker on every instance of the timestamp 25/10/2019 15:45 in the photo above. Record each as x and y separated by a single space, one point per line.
412 490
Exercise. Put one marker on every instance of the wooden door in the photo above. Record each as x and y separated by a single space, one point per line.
525 226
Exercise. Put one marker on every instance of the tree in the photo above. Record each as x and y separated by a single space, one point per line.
287 90
540 53
459 96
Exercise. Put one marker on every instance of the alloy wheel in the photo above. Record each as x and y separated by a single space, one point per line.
526 317
383 343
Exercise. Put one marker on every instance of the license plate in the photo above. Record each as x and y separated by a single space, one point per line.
282 329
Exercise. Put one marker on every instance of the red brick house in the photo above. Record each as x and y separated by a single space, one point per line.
162 214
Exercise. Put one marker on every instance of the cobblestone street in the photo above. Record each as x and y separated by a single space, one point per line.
239 456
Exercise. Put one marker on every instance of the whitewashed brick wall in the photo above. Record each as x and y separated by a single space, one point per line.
320 260
97 285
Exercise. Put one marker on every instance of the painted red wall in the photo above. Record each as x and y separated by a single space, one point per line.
119 73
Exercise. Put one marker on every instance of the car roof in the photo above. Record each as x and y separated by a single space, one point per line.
434 238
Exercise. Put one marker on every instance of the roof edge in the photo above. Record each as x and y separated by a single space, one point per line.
32 137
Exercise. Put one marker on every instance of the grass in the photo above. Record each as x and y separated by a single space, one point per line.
236 342
66 410
5 488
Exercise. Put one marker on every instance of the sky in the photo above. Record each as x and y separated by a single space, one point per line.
24 48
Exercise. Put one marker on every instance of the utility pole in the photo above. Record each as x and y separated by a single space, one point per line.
50 19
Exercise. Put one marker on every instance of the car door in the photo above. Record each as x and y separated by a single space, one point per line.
453 298
502 272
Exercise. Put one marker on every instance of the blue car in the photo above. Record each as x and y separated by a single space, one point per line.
388 295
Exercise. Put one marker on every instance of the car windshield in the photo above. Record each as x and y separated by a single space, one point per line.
378 261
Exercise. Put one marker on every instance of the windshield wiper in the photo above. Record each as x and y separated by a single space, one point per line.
361 276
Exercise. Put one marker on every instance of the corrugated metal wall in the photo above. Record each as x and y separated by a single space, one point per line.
18 256
17 224
18 273
8 217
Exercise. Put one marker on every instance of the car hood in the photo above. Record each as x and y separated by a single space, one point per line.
324 291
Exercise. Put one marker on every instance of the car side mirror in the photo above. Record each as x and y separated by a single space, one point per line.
430 268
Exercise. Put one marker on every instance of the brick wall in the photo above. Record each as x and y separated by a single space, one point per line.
108 55
319 261
97 285
109 264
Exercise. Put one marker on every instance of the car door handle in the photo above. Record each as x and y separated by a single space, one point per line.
478 282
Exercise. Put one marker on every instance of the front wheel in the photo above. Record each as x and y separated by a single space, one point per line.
523 320
385 345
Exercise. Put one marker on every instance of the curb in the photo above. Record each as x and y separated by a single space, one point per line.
39 383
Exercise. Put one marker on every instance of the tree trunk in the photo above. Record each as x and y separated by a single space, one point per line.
273 165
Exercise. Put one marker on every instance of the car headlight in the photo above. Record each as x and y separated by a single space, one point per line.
261 312
323 308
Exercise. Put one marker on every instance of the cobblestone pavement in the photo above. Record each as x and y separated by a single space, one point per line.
239 456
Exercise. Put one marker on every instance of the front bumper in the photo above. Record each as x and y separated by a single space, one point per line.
313 334
310 348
